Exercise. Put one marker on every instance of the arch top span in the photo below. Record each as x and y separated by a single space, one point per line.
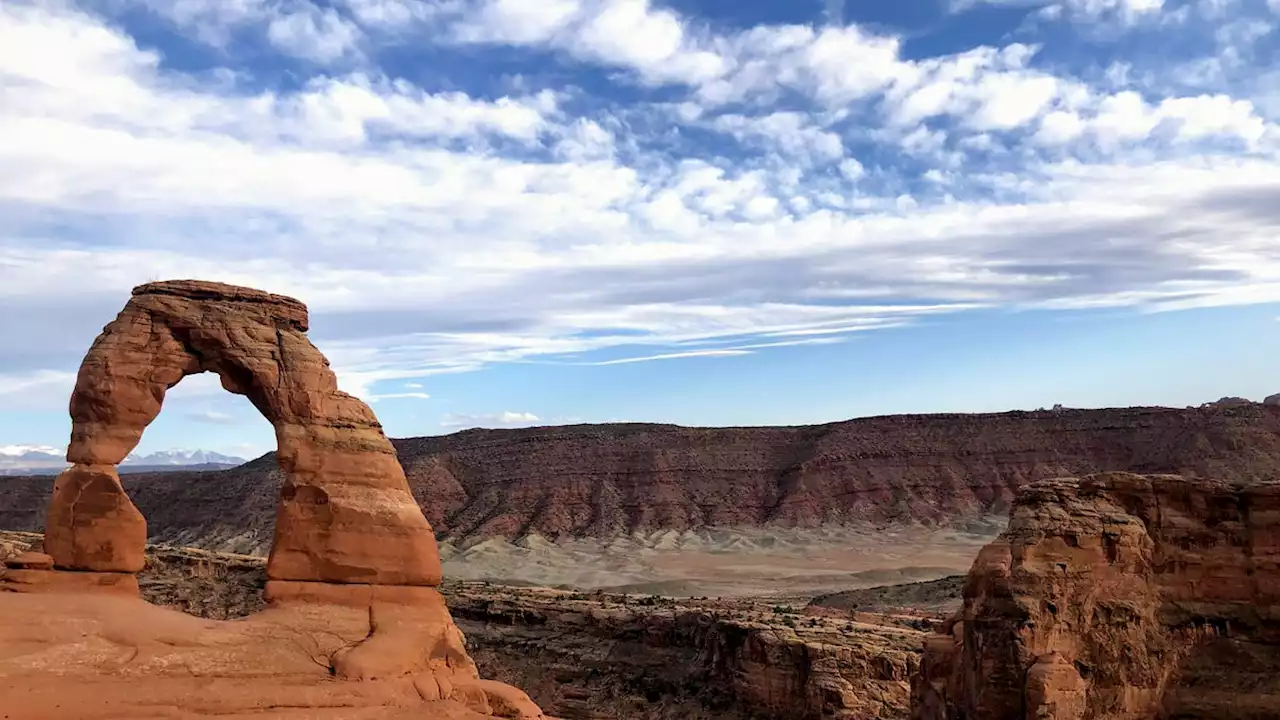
282 307
345 512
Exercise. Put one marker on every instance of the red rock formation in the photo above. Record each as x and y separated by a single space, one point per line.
351 571
1117 596
345 513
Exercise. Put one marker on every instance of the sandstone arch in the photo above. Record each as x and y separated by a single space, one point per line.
350 593
345 515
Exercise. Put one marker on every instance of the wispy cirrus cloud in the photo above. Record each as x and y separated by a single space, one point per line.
505 418
682 190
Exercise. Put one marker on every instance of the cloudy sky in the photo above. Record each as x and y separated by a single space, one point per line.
507 212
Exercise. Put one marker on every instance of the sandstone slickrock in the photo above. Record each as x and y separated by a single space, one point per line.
1117 596
350 595
599 480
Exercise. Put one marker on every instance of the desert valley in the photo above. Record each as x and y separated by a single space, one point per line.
1056 564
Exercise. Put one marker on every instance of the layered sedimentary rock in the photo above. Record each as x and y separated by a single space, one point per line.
351 572
603 479
344 514
1117 596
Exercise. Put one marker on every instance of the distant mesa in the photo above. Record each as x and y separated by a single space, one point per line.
352 572
605 480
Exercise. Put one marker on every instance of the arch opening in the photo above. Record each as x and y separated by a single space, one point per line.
203 426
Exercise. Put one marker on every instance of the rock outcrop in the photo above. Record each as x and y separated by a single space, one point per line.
1117 596
352 573
735 658
345 513
599 480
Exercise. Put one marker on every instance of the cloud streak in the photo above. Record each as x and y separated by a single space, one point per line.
505 418
718 193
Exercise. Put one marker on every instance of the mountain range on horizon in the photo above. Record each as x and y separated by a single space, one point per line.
45 459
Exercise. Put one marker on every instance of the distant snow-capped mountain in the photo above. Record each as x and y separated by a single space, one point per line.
14 458
40 459
184 457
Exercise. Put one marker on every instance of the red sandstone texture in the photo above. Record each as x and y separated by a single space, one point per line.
354 627
344 513
603 479
1118 596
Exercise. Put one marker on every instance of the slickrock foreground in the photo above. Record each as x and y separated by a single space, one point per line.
354 626
1122 597
608 656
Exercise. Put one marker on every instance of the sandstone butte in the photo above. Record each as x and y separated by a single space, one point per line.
354 626
1118 597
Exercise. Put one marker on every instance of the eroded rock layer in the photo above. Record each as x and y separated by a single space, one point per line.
599 480
1122 597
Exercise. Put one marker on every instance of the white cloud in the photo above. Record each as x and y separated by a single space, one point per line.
519 22
299 28
502 419
398 396
625 33
213 417
437 232
1126 11
16 450
25 391
790 134
833 11
1059 127
321 35
675 356
394 14
1126 117
987 89
211 21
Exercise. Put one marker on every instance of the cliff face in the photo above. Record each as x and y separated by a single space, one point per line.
1117 596
599 480
729 659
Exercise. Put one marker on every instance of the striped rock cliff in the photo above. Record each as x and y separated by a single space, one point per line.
1117 596
600 480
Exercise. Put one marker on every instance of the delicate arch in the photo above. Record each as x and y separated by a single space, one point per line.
345 514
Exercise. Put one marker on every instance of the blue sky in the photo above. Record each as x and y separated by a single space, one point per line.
511 212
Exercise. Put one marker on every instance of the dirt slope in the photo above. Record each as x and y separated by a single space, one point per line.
600 480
